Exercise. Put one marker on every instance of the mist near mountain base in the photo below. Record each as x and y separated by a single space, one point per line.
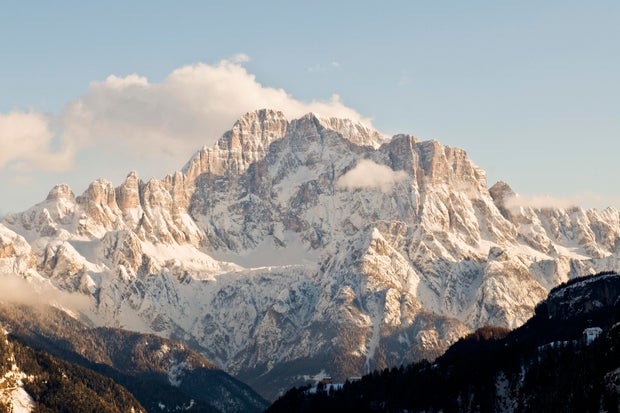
16 290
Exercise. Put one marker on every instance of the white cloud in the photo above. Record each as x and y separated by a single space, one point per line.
192 107
368 174
586 200
26 141
240 58
319 68
165 121
539 202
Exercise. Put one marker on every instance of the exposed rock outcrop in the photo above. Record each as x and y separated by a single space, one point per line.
255 255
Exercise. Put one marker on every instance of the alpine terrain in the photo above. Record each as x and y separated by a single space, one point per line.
291 250
564 359
32 380
162 375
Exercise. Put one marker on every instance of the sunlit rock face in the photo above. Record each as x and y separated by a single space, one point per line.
313 246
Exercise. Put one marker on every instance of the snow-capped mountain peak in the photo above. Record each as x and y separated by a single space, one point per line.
294 246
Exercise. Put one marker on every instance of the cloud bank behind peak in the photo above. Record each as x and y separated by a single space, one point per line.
130 115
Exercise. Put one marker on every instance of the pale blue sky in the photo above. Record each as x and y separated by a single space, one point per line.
531 89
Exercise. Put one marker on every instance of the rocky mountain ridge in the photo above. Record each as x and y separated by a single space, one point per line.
161 374
295 247
565 358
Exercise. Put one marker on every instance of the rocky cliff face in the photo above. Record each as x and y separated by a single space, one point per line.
296 248
565 358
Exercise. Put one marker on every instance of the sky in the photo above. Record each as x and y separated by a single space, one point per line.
530 89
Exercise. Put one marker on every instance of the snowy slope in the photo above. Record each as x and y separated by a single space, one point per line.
294 247
12 393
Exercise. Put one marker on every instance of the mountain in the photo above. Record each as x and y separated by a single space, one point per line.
294 249
564 359
163 375
32 380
